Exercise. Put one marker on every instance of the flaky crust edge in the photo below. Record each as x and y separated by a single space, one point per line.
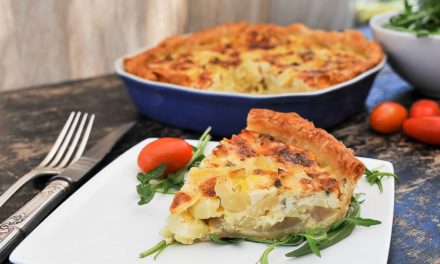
351 38
295 130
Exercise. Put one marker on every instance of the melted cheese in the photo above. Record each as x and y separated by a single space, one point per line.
261 59
253 185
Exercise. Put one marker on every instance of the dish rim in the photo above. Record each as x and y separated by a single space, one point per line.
376 23
118 64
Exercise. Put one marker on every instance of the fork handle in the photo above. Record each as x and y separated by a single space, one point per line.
17 185
16 227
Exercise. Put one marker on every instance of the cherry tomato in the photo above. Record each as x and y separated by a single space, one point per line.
425 107
388 117
174 152
426 129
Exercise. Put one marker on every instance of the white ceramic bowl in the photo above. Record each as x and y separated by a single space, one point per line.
416 59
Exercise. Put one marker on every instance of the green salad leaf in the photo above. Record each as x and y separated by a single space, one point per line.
375 177
422 19
177 178
158 248
151 181
338 231
315 239
227 240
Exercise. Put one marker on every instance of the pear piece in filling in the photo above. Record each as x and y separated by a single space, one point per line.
279 176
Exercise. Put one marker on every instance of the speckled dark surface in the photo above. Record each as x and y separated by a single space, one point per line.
31 119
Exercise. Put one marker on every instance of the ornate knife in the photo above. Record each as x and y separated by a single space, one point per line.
15 228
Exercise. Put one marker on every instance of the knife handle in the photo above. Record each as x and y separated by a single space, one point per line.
16 227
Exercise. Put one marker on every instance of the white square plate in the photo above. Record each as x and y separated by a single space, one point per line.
102 223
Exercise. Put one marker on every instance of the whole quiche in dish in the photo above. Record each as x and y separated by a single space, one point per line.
258 59
279 176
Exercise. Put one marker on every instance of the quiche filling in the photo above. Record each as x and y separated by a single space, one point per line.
258 59
260 185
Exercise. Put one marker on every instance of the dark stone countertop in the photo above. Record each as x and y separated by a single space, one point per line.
30 120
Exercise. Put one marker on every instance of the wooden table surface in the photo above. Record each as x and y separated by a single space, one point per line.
30 120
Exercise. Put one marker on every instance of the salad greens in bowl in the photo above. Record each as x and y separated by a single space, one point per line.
411 40
422 19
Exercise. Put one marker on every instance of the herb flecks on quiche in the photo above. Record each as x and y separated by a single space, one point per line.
279 176
258 58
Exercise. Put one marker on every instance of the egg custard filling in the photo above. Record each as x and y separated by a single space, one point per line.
257 59
279 176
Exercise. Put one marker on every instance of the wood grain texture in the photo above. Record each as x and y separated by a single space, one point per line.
48 41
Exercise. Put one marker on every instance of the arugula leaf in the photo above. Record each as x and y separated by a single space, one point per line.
353 211
152 174
289 240
163 248
145 189
362 221
313 236
357 198
167 187
197 162
338 231
375 177
332 238
172 182
146 193
337 224
422 19
224 240
197 156
294 240
259 240
264 258
316 239
317 234
156 248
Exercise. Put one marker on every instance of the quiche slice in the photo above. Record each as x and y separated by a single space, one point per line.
279 176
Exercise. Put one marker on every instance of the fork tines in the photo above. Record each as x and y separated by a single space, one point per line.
60 155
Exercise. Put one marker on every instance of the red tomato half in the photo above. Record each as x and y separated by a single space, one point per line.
425 107
425 129
174 152
388 117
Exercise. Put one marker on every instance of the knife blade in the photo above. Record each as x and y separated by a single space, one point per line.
16 227
88 161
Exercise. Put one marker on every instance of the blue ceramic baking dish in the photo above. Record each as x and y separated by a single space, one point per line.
226 113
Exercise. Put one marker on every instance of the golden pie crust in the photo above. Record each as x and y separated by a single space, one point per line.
257 59
279 176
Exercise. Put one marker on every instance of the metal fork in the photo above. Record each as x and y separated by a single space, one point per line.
60 155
